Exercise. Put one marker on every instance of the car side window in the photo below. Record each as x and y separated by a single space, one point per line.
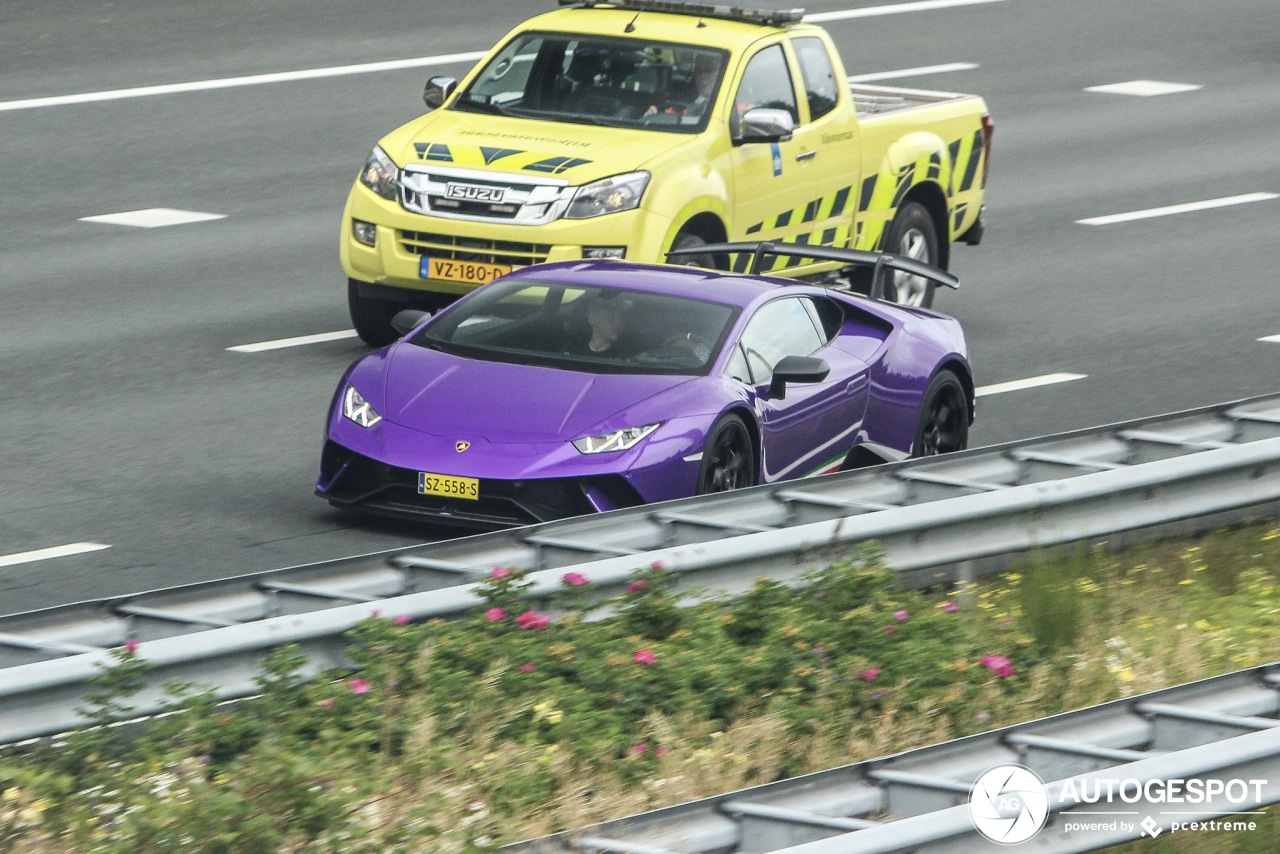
766 82
828 316
821 89
737 367
780 328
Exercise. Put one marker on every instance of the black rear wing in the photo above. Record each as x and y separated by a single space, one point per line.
876 261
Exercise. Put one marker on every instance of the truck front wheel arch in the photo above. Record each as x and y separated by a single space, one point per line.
699 231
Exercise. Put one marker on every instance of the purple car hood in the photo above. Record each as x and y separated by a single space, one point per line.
501 402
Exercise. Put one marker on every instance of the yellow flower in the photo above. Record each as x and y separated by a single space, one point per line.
1187 581
1271 535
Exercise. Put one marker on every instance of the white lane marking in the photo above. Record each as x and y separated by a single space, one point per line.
1144 88
893 9
914 72
232 82
293 342
1273 339
153 217
48 554
1029 382
1170 210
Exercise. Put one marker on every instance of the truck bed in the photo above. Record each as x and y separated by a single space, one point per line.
874 100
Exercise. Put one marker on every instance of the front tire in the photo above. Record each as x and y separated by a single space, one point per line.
728 460
912 235
371 316
689 240
943 424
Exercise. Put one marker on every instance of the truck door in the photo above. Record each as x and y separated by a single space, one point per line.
828 136
773 182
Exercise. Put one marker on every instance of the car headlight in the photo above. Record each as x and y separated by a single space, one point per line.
381 175
608 195
618 440
357 409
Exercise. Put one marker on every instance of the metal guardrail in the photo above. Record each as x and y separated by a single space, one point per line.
933 517
1223 729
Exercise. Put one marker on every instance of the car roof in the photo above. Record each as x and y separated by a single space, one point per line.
695 282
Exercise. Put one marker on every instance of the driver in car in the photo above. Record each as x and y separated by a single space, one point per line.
706 74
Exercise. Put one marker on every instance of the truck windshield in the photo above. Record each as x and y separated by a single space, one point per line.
594 80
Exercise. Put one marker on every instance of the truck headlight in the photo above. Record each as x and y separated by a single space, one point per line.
381 175
616 440
608 195
357 409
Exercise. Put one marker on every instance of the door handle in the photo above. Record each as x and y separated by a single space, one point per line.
807 155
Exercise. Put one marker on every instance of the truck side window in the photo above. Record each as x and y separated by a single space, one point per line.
766 82
818 75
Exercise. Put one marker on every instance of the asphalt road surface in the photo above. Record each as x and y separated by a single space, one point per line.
138 451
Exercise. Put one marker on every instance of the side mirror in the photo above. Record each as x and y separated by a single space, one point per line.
405 320
763 124
437 91
796 369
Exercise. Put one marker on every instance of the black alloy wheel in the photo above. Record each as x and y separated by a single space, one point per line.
728 461
943 425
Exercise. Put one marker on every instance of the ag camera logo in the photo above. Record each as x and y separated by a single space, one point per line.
1009 804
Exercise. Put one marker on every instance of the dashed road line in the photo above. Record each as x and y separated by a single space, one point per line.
1144 88
1271 339
153 217
299 341
1170 210
1029 382
48 554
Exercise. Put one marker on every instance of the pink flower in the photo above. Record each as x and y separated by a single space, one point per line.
997 664
662 751
326 703
375 613
888 630
402 619
528 668
901 616
637 586
499 572
870 674
131 646
657 566
359 686
574 579
643 656
494 615
532 620
640 748
951 607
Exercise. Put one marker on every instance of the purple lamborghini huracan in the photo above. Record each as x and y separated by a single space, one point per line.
580 386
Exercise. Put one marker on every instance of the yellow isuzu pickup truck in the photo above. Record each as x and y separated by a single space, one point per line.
628 128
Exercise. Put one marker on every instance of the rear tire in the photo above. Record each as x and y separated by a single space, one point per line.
912 235
728 460
943 423
371 316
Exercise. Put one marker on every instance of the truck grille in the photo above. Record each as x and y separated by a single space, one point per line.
478 197
473 249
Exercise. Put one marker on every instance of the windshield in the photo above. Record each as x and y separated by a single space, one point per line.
629 83
585 328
